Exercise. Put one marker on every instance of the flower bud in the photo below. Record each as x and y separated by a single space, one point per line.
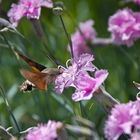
58 8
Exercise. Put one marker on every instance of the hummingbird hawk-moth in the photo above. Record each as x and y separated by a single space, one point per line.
39 77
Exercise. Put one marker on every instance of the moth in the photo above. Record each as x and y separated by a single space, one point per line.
39 76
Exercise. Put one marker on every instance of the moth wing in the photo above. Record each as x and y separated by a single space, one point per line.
39 79
35 66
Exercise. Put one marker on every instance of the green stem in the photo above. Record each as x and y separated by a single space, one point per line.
10 47
83 112
47 103
40 34
105 99
9 109
129 57
77 109
67 35
7 42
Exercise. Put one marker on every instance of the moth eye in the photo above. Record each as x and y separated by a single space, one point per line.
29 87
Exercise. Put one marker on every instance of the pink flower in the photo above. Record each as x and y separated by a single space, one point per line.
137 1
77 76
80 39
125 27
45 131
123 119
67 78
86 85
16 13
29 8
33 7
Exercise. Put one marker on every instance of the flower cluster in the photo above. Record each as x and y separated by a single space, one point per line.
80 39
125 27
45 131
124 119
77 76
29 8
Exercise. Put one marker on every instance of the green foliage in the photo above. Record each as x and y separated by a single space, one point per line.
31 108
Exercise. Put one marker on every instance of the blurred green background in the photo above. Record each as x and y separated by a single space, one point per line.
121 62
